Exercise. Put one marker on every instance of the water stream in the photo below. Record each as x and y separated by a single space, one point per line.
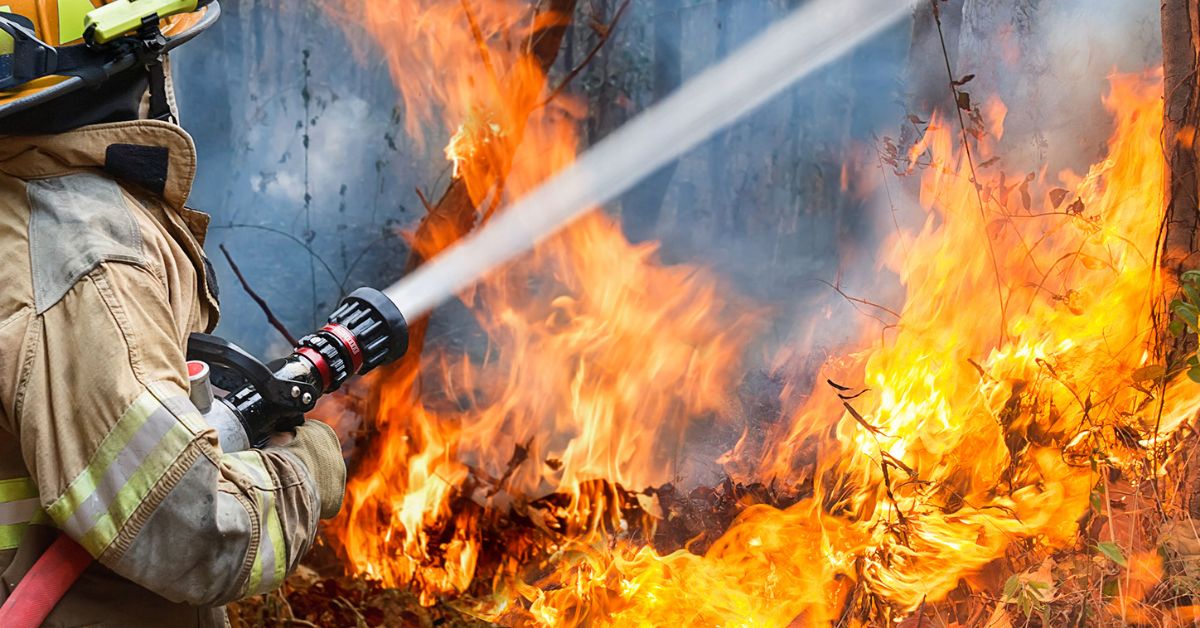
812 36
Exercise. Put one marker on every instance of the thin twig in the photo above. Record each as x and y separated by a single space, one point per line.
424 201
481 43
304 245
962 124
262 303
612 27
859 300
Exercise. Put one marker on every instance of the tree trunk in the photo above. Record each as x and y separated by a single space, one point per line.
719 145
642 207
1181 61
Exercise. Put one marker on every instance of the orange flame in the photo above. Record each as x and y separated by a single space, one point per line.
1020 358
600 357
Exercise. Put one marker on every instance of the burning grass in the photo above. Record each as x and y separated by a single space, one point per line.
1009 452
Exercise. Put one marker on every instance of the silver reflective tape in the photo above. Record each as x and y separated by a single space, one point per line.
21 511
144 441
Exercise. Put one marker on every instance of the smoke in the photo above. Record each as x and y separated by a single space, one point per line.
1049 62
309 170
303 164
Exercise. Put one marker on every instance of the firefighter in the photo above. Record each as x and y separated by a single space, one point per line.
103 279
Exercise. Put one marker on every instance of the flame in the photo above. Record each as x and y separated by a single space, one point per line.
979 421
600 357
1021 360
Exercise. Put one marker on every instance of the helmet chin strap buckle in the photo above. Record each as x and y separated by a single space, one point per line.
151 34
152 42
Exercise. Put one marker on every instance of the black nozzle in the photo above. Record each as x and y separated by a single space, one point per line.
366 331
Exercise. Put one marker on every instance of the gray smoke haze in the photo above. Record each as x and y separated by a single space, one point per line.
310 176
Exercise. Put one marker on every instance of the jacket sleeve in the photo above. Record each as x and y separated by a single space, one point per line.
127 467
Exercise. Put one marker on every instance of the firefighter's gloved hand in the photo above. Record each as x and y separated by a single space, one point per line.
317 446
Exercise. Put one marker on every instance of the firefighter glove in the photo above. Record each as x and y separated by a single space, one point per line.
317 446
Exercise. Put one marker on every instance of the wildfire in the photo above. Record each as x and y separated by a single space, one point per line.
1019 360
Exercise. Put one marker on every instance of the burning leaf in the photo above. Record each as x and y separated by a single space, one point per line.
1058 196
856 395
863 422
1076 208
1026 197
964 101
1152 372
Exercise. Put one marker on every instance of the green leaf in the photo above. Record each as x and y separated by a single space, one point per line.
1112 552
1194 374
1097 504
1191 276
1193 295
1176 328
1010 587
1188 314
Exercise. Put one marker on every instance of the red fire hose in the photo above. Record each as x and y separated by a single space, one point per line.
45 584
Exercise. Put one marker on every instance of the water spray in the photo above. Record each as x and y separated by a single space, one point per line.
369 328
803 42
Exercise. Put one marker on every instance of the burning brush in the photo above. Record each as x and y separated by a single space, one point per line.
975 447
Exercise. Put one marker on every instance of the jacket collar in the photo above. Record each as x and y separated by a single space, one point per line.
156 155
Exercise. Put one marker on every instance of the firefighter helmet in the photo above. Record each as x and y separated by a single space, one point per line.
49 48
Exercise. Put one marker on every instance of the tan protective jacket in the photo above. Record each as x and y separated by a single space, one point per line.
102 279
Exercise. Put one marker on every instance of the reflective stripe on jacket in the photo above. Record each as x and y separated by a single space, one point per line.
101 283
19 507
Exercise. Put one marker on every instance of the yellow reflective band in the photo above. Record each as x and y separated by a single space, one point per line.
17 489
10 536
127 465
275 533
71 14
18 508
270 559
